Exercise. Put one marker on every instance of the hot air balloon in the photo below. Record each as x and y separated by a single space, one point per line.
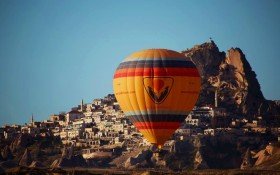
156 89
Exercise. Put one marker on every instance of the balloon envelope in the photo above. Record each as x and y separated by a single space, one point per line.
156 89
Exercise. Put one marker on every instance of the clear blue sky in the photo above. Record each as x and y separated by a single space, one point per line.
55 53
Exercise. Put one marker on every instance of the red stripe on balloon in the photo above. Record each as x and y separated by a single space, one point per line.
157 125
190 72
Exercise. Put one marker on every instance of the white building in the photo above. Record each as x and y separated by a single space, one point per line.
78 124
74 134
97 119
190 120
118 127
88 120
210 132
73 115
64 135
97 102
88 113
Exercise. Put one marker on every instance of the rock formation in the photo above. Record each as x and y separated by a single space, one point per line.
21 141
36 164
1 158
143 159
158 158
55 163
8 164
232 77
2 171
199 162
220 152
68 159
268 158
6 153
26 158
66 153
173 147
247 160
197 142
120 161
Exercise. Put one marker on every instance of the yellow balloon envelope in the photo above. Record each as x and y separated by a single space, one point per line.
156 89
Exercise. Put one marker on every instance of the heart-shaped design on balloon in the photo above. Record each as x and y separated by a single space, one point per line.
158 88
158 84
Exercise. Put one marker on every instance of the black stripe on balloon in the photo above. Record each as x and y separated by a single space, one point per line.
157 118
156 63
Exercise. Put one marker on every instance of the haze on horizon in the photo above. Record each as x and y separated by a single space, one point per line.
55 53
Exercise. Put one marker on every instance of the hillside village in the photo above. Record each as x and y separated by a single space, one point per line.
100 130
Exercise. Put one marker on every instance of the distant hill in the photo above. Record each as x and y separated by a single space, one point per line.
232 76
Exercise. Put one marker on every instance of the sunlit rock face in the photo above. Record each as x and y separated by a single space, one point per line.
232 77
199 162
268 158
26 158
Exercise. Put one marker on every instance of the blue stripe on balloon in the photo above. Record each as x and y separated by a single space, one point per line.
151 112
157 63
158 58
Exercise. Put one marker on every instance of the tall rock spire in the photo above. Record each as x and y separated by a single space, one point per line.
26 158
199 162
247 160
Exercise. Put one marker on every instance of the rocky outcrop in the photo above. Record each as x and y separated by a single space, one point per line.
232 77
36 164
68 159
26 158
6 153
199 162
220 152
247 160
1 158
143 159
55 163
67 152
21 141
2 171
158 158
8 164
75 161
268 158
197 142
120 161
